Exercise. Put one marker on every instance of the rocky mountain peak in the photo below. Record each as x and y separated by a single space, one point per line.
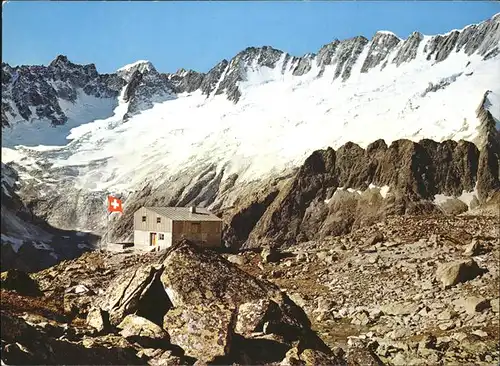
142 66
408 49
60 61
266 56
185 81
381 45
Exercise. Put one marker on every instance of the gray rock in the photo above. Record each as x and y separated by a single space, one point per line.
298 299
141 330
453 273
473 249
236 259
495 304
203 332
400 308
361 318
476 304
98 319
446 315
251 316
374 239
480 333
453 206
125 292
359 354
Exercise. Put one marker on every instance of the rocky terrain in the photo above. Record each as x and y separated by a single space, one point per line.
183 306
413 290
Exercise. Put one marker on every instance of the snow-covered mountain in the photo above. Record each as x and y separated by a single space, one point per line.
74 135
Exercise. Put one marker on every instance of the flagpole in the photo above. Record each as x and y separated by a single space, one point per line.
109 237
107 231
107 225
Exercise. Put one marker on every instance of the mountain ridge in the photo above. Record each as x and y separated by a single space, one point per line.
224 77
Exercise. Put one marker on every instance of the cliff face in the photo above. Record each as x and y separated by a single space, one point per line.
336 191
488 181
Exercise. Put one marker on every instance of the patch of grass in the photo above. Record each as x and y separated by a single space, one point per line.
17 304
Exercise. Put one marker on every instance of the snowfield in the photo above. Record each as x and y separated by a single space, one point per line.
279 120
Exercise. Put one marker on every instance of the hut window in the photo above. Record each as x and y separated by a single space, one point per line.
196 228
158 220
144 219
162 236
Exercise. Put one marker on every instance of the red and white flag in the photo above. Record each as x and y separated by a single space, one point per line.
114 204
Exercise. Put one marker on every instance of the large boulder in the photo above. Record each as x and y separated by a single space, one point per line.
126 292
218 301
203 332
456 272
194 276
195 300
453 206
197 277
143 331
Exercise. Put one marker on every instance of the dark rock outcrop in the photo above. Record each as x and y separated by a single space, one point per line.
413 172
240 64
408 50
145 88
488 177
381 45
346 56
185 81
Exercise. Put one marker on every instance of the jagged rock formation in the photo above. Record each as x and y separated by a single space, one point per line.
33 92
488 182
308 206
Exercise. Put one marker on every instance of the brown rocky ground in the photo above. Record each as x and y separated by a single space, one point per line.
379 286
409 290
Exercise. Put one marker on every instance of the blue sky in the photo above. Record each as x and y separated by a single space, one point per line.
197 35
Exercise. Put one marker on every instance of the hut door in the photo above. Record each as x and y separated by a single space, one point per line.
152 239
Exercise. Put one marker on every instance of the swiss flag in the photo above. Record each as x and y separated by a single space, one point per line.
114 204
